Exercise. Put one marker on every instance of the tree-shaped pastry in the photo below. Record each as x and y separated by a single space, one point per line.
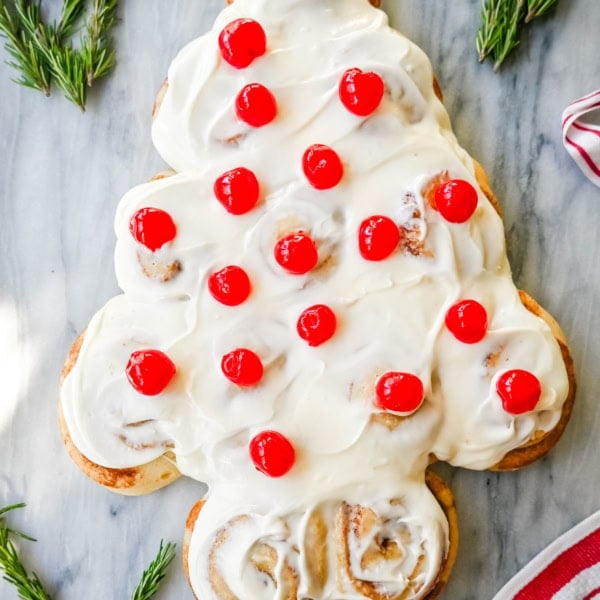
316 305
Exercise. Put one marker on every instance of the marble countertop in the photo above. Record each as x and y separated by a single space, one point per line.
62 174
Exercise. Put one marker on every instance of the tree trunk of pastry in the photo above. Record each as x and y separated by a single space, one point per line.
327 551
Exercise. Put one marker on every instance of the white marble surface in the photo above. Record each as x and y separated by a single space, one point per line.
62 174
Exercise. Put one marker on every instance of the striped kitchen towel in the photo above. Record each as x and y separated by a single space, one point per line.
569 569
581 134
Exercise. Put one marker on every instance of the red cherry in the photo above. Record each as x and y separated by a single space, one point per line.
296 253
400 392
230 285
255 105
467 321
242 367
152 227
272 453
361 93
316 324
378 237
322 167
237 190
241 41
456 200
519 391
149 371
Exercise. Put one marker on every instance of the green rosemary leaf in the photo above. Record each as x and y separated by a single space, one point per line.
538 8
20 534
71 13
11 507
155 573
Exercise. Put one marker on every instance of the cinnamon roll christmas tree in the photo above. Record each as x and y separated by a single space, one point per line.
317 305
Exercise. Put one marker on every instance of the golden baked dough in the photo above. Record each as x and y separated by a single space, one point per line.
160 472
349 519
543 442
353 523
133 481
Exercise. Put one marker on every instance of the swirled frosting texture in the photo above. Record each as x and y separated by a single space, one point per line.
390 313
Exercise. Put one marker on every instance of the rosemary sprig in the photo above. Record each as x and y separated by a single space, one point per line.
14 532
501 24
33 69
499 31
96 49
28 587
490 31
514 14
155 573
44 53
68 72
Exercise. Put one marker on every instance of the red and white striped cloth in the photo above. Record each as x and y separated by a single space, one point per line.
581 134
569 569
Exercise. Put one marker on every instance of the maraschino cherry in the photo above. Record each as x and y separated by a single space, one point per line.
241 41
152 227
237 190
230 285
378 237
467 321
272 453
322 167
456 200
149 371
316 324
361 93
242 367
296 253
255 105
519 391
399 392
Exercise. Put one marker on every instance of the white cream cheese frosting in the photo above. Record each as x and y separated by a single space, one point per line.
390 313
